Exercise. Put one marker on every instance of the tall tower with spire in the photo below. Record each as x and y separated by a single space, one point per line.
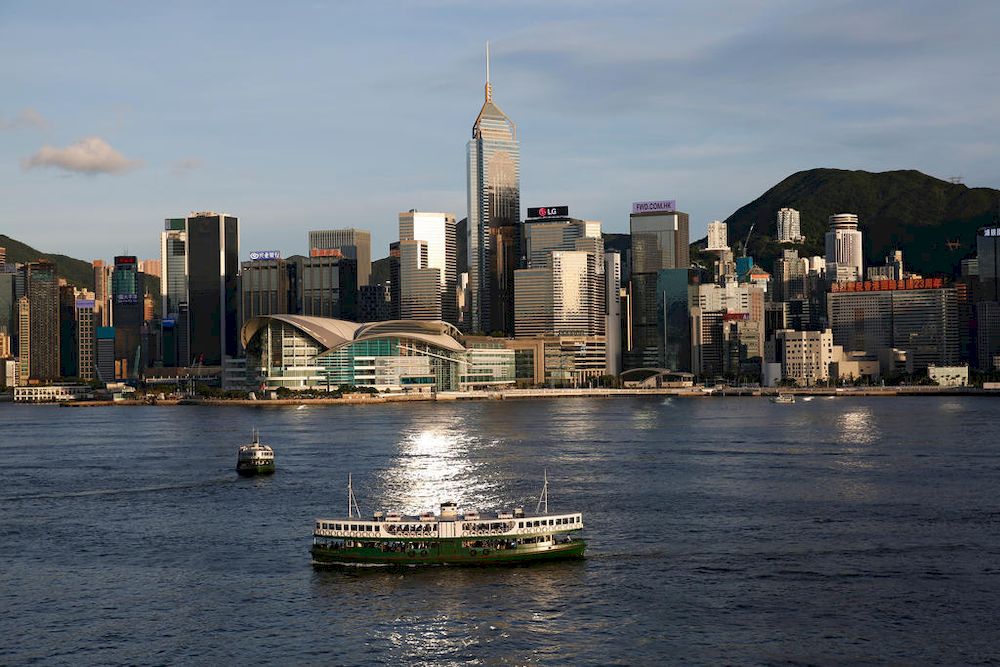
494 198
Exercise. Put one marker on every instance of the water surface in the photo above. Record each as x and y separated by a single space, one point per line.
736 531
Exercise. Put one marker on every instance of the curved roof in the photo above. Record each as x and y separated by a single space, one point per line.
331 333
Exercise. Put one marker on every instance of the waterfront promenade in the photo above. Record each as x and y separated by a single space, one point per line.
514 394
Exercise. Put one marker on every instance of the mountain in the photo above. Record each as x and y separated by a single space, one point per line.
933 222
75 271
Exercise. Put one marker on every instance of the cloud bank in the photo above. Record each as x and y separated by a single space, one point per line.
91 155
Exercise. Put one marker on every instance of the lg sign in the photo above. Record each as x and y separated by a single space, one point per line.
549 212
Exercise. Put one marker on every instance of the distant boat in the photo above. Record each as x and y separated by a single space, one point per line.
455 536
255 458
783 398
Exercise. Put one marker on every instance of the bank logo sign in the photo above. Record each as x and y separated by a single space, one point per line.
662 206
265 254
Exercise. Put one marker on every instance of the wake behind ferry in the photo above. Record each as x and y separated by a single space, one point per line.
455 536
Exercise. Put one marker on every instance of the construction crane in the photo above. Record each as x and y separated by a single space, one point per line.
747 242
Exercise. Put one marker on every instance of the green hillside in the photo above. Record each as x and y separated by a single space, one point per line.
934 222
75 271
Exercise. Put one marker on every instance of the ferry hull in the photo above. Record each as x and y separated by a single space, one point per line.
249 470
445 555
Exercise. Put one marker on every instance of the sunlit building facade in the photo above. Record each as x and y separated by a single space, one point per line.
300 352
917 316
436 233
789 227
563 298
844 255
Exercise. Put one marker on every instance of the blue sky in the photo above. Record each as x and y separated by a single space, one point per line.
298 116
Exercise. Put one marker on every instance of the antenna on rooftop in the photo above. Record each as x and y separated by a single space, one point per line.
489 88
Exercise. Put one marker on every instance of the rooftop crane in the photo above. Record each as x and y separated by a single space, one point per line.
747 242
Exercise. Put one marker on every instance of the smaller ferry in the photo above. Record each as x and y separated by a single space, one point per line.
453 537
783 398
255 458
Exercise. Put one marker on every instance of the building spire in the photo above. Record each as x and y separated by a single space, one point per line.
489 88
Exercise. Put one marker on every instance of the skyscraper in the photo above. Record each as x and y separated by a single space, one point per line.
127 290
659 241
844 261
42 295
718 236
85 338
988 252
212 264
918 316
563 288
562 297
419 283
266 286
68 336
613 311
352 243
494 202
543 235
173 281
324 286
789 228
102 291
8 305
437 230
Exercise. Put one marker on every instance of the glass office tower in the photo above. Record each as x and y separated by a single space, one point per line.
494 200
212 265
659 241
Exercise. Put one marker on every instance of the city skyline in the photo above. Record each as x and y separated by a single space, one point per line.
167 132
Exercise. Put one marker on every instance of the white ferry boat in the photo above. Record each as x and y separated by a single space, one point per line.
455 536
255 458
783 398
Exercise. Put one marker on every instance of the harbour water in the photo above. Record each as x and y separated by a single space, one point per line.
832 531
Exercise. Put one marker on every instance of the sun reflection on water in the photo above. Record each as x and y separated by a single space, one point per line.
858 427
434 466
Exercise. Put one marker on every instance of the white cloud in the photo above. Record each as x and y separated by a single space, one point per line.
91 155
27 117
186 166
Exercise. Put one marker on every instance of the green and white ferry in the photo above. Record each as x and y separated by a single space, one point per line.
453 537
255 458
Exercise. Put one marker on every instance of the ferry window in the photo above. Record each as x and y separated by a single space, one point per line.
520 524
353 527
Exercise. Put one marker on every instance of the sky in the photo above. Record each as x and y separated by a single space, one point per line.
313 115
